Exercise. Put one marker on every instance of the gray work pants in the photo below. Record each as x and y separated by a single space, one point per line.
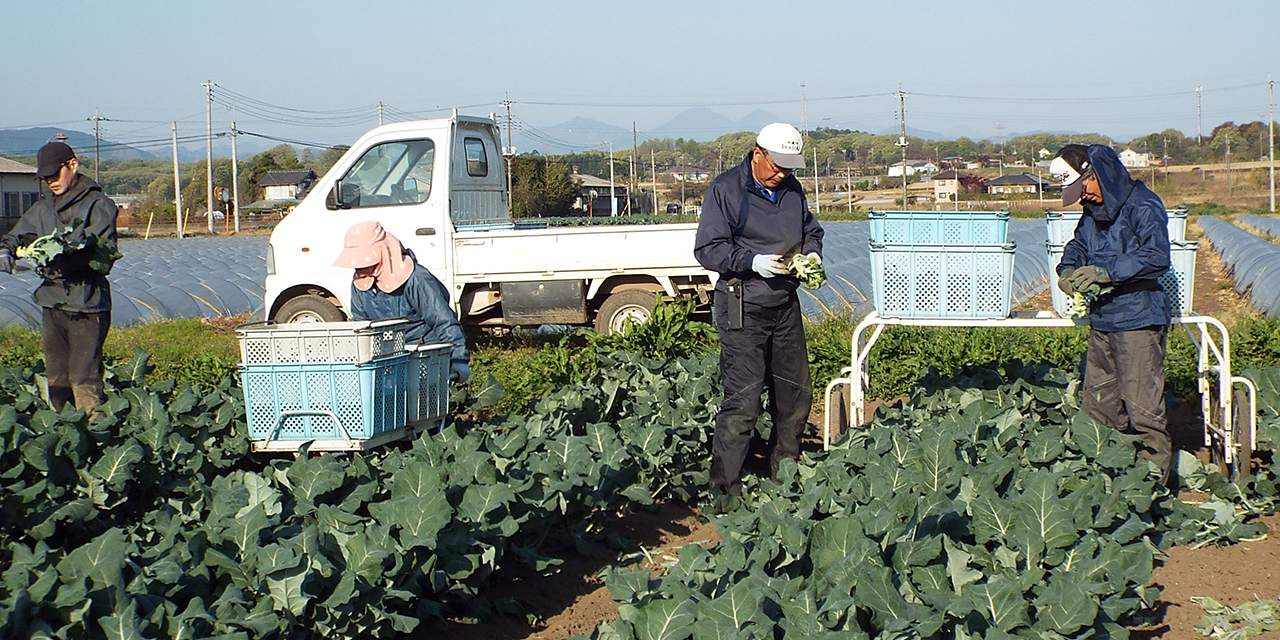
1124 387
73 357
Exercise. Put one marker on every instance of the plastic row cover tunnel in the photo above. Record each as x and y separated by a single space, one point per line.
1254 263
847 258
1266 224
162 279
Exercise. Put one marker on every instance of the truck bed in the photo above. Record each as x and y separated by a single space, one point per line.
568 252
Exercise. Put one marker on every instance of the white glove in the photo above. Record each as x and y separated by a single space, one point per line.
768 265
814 257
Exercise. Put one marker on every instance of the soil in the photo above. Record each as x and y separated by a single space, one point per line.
573 600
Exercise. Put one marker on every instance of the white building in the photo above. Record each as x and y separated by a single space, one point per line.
1134 160
19 189
912 168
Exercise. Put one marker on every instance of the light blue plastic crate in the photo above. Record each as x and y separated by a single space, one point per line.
1062 225
429 383
942 281
1179 281
940 227
326 401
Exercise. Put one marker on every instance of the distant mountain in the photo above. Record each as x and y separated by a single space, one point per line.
576 135
701 123
26 142
695 123
918 133
755 121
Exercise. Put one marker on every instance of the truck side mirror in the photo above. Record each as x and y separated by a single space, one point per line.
333 201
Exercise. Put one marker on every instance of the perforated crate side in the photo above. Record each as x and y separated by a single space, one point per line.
939 227
367 399
942 281
1062 225
1179 281
429 383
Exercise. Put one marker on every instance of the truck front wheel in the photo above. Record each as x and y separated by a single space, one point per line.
635 305
309 308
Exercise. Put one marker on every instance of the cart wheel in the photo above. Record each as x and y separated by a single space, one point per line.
839 411
1241 434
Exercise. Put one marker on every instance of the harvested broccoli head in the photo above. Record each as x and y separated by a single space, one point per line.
810 272
96 253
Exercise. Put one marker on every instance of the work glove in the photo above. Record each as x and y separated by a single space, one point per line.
1085 277
6 261
768 265
459 372
814 257
1064 283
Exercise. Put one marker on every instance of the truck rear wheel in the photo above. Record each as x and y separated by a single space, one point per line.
635 305
309 308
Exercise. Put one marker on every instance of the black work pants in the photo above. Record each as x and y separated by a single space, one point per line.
1124 387
767 352
73 357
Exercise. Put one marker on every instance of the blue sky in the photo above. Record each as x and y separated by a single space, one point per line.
1122 68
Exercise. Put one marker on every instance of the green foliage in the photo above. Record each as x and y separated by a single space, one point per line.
1220 620
986 506
670 334
579 221
97 253
540 188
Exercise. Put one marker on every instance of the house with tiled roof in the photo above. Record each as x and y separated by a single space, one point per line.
19 189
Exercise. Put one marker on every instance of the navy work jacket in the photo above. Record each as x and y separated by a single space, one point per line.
726 242
1128 235
424 300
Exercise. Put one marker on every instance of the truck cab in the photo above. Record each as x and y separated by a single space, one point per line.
439 186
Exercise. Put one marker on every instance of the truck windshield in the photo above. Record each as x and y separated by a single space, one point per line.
389 174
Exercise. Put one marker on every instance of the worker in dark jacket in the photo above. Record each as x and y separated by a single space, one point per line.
75 298
754 217
1120 248
389 283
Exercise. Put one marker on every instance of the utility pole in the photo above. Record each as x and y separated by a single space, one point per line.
848 186
817 188
654 165
1271 134
208 146
508 153
804 110
97 139
631 183
177 184
1198 130
235 177
902 142
379 113
613 199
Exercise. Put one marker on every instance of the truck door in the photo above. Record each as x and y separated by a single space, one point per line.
393 183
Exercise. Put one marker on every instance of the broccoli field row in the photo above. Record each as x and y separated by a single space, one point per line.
985 506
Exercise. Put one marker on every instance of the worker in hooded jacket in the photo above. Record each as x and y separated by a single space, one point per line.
389 283
1120 249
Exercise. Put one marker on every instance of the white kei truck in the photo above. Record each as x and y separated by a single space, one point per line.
440 187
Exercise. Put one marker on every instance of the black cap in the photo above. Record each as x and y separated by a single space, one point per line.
1076 156
51 157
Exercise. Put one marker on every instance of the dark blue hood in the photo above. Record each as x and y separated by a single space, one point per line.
1113 178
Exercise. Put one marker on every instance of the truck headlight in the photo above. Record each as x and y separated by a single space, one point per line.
271 260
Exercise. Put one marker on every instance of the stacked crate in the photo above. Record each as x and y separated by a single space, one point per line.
1178 281
941 264
340 383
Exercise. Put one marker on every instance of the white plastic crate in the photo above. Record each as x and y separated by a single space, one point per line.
428 383
939 227
1062 225
942 281
321 342
294 403
1179 281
